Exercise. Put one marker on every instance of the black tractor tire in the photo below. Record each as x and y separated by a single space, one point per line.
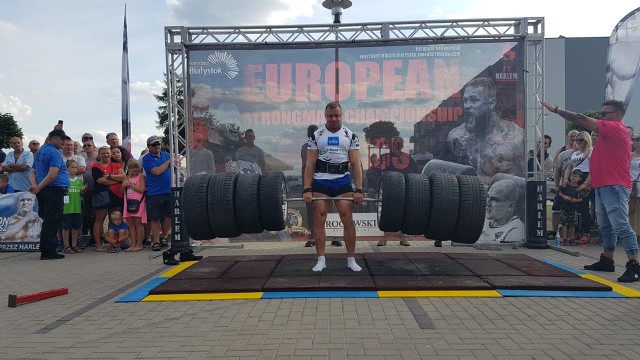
194 207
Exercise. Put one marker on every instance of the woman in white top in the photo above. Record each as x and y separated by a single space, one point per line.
580 161
634 170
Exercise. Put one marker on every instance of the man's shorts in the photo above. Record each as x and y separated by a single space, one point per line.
159 207
72 221
333 188
555 208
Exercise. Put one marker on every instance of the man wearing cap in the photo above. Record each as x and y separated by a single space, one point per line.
114 142
49 182
157 166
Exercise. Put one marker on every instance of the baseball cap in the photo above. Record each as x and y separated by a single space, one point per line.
60 133
153 139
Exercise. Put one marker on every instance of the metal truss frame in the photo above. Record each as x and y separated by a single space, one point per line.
179 39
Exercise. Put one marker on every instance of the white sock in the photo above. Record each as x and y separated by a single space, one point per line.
351 264
321 265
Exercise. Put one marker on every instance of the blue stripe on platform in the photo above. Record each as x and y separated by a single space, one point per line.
572 294
319 294
142 292
563 267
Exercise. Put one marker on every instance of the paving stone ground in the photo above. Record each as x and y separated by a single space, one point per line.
88 324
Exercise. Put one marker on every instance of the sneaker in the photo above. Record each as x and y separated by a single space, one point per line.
382 243
405 243
187 255
551 235
632 273
604 264
310 243
336 243
59 246
437 243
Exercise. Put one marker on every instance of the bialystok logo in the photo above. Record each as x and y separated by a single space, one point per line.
225 62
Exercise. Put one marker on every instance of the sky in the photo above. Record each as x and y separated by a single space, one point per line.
62 59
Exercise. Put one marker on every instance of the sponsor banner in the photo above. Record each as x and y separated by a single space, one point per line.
20 224
366 225
464 102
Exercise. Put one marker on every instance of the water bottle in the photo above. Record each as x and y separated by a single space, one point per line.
558 240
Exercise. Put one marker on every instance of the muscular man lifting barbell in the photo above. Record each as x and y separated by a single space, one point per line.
332 148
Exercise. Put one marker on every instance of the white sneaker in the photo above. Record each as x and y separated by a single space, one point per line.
321 265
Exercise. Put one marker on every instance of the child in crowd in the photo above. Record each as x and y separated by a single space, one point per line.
134 187
118 232
5 187
569 206
72 214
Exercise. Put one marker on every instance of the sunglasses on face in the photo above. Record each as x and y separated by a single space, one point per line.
87 138
34 144
636 139
155 145
580 140
87 145
604 113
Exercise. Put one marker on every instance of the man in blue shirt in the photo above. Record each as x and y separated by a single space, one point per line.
50 182
18 164
157 166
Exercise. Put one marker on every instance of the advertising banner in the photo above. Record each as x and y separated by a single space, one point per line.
19 222
459 102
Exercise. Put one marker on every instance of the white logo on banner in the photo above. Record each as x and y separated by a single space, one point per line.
226 64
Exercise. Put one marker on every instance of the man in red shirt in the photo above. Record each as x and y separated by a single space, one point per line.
609 173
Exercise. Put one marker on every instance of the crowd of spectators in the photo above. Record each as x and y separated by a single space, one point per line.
106 204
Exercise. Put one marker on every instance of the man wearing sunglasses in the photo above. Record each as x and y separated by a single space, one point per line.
157 166
83 151
609 171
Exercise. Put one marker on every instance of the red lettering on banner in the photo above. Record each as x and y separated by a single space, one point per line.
447 76
252 83
390 79
308 87
367 73
344 77
417 84
279 83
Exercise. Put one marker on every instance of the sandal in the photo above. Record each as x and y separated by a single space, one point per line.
67 250
156 247
76 249
113 250
586 239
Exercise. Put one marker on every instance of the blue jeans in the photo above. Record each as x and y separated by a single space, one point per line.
612 212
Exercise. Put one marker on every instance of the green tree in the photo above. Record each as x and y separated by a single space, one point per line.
571 126
8 128
379 133
162 123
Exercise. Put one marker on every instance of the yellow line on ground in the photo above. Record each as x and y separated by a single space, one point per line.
623 290
173 271
440 293
204 297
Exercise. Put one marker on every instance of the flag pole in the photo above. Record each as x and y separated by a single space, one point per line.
126 114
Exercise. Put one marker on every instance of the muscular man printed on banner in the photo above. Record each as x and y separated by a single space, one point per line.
25 223
485 141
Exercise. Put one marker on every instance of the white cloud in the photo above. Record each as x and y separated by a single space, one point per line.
248 12
7 30
14 106
143 89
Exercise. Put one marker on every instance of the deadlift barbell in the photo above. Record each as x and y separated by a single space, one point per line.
440 206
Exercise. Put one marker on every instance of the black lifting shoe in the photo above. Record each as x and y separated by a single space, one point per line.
632 273
604 264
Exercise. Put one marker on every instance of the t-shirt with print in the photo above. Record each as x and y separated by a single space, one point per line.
580 161
333 147
74 205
